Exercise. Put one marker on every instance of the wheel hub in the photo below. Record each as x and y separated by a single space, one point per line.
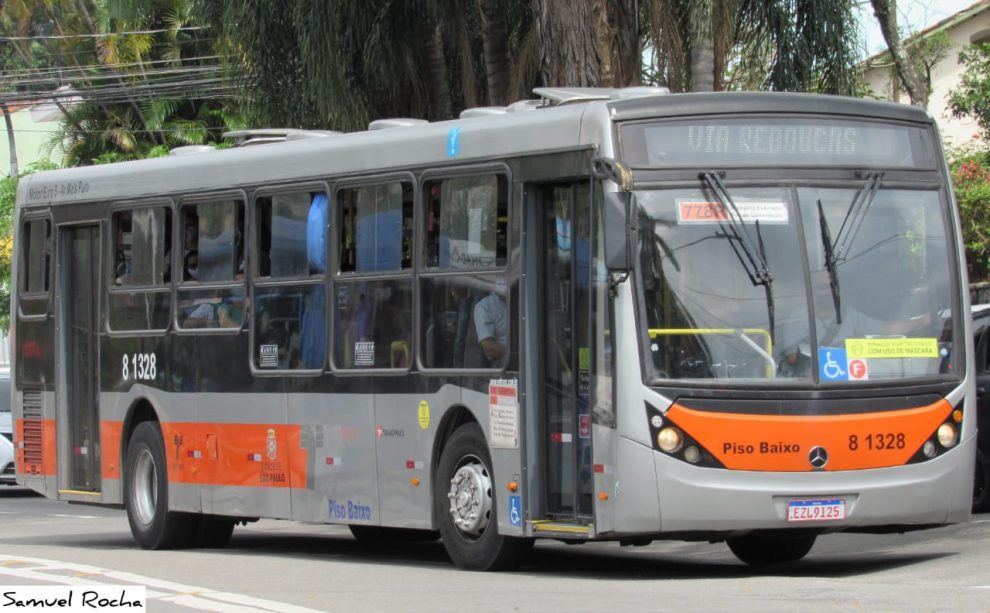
471 498
145 487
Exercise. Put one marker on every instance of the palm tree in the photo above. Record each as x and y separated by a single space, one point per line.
138 89
335 65
784 45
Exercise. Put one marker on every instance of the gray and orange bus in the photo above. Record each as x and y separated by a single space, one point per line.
599 315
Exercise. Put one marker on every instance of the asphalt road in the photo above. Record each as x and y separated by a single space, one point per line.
291 566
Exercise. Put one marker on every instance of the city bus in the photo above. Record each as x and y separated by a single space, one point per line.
599 315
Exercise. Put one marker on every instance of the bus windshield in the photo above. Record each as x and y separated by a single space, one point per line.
822 284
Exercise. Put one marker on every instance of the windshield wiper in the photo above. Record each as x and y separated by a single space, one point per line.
833 277
838 250
753 257
753 254
855 215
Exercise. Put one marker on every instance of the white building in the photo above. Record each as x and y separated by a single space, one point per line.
971 25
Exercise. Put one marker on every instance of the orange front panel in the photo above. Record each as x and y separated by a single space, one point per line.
783 442
253 455
34 446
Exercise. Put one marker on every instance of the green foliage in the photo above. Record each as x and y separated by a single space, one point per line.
119 116
971 183
972 97
971 164
778 45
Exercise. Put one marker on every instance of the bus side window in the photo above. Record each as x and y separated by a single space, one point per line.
465 315
290 318
139 296
211 293
373 296
35 266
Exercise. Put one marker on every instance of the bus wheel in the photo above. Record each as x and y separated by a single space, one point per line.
761 549
981 484
146 493
466 505
212 532
378 534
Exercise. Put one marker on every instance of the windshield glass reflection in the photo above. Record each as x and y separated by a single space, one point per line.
708 317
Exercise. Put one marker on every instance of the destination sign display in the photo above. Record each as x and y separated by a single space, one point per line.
774 141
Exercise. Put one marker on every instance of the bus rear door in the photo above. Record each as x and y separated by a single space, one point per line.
78 283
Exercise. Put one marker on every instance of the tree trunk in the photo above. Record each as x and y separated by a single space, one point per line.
568 43
628 65
436 73
914 84
702 46
498 65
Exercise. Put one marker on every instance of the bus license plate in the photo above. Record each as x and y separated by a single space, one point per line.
816 510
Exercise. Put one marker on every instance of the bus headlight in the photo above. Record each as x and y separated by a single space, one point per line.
947 434
669 439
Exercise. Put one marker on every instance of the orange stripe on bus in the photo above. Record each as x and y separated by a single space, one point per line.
111 451
35 454
253 455
783 442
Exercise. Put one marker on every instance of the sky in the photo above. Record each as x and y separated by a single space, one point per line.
912 16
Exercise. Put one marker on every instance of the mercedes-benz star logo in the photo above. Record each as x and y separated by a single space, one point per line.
818 457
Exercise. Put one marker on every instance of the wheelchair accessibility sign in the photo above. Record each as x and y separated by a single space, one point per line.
832 364
515 510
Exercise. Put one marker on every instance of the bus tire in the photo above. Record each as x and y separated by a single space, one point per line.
373 535
763 549
981 484
213 532
467 508
146 493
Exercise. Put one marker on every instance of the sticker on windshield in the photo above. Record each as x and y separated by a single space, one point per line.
868 348
763 211
832 364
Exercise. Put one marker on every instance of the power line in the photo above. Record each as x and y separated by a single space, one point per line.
98 35
46 80
3 130
116 66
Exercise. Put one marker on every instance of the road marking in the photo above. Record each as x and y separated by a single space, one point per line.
73 516
190 596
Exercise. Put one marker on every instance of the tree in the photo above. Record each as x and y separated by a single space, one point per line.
140 75
971 164
971 185
349 61
907 71
313 64
782 45
568 42
972 97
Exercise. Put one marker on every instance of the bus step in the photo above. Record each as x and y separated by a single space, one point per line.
562 529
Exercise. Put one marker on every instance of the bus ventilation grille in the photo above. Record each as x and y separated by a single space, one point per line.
34 410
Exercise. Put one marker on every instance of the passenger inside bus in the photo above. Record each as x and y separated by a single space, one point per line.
491 320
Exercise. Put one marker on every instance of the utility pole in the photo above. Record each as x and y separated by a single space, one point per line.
11 143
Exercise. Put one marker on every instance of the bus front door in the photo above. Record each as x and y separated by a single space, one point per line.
566 370
78 366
